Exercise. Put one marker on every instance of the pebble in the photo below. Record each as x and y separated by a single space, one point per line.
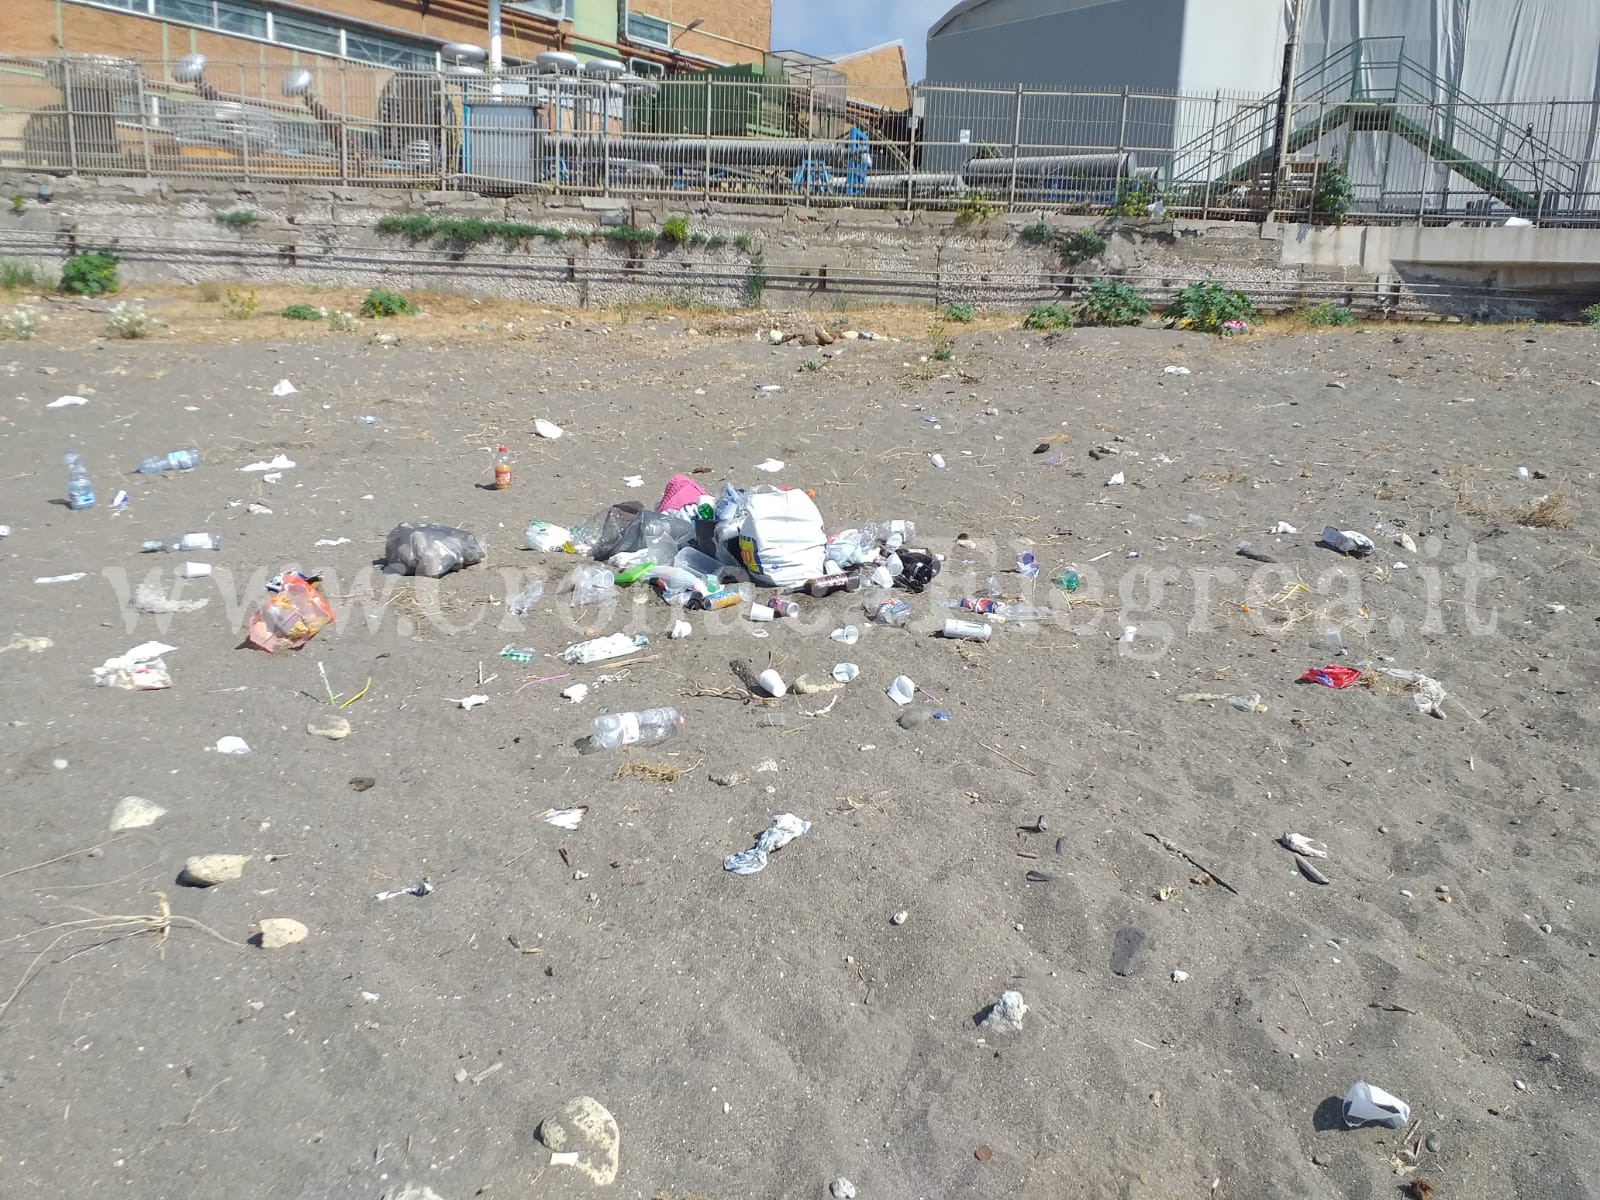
899 918
1546 928
1519 1085
208 870
730 779
842 1189
1005 1014
334 728
135 812
1179 976
1432 1143
278 932
584 1127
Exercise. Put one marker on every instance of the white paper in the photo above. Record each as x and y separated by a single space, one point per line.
281 463
232 745
73 578
468 702
67 402
1364 1104
284 388
771 466
547 429
564 818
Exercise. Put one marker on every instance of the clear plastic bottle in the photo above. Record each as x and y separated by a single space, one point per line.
178 460
80 491
523 601
185 543
614 730
1023 612
502 469
604 648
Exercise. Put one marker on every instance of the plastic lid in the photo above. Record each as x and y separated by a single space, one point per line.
502 449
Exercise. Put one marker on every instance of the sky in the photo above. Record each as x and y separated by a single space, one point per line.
838 26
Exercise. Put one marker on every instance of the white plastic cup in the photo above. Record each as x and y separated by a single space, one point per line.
772 683
846 672
1129 632
194 570
849 635
760 612
902 691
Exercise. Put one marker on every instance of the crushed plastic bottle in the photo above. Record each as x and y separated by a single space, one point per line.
615 730
523 601
617 645
184 544
178 460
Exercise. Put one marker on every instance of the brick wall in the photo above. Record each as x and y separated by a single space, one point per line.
735 31
877 77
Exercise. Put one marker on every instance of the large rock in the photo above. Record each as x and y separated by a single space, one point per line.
208 870
135 812
584 1127
278 932
1005 1014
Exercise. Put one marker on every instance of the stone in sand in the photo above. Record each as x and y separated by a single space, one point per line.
278 932
335 729
411 1191
842 1189
1005 1014
584 1127
135 812
208 870
1127 950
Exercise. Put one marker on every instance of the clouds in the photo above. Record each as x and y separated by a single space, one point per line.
839 26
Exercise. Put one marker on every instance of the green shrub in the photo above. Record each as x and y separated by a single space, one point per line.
240 219
92 274
675 230
1591 315
1210 308
239 304
744 243
975 208
380 302
415 226
19 202
304 312
755 280
629 235
1328 314
1048 316
1079 245
341 322
1335 194
715 242
1038 233
960 312
129 321
1134 196
1112 303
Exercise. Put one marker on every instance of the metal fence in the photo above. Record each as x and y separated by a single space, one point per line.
1382 150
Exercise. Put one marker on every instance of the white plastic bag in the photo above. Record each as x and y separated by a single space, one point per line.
782 541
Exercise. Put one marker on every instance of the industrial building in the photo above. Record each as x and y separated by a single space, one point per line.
1432 105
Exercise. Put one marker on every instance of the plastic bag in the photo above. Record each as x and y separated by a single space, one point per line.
291 617
430 550
606 533
541 535
781 542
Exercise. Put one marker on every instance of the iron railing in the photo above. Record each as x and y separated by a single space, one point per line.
1412 148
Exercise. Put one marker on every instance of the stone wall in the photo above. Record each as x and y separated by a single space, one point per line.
167 230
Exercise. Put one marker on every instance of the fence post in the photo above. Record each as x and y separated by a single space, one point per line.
344 128
1427 164
144 123
244 124
67 95
1543 178
811 128
1122 141
1016 148
911 147
1211 152
707 178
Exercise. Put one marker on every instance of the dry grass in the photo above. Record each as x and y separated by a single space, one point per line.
655 772
1554 511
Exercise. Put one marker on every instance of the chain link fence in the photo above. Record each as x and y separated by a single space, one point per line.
1392 158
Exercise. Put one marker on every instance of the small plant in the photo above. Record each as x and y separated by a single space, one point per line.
715 242
960 312
943 350
943 354
340 321
19 324
629 235
1134 197
1048 316
744 243
304 312
975 208
92 274
1109 302
242 220
1336 195
1037 234
22 277
380 302
18 202
129 320
415 226
755 280
1079 245
1591 315
1328 315
675 230
1211 308
239 304
210 291
811 364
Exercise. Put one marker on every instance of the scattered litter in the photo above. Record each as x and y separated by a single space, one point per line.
1283 527
33 645
67 402
1005 1014
848 672
232 745
564 818
1176 371
1117 480
1407 542
468 703
281 462
771 465
1310 872
284 388
423 888
151 599
680 630
937 460
772 683
769 387
633 481
1302 845
289 618
1523 474
1247 703
1129 632
576 693
601 649
1427 692
430 550
331 726
1331 676
141 669
1347 541
344 541
120 500
1180 976
1365 1104
73 578
784 829
849 635
902 691
257 509
547 429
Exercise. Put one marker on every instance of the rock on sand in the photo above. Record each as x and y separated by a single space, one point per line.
584 1127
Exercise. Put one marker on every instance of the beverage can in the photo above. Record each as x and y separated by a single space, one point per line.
975 631
1027 566
721 598
783 607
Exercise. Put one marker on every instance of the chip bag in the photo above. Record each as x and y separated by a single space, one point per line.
291 617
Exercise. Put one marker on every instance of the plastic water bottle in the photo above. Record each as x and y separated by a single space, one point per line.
80 492
646 728
185 543
502 469
178 460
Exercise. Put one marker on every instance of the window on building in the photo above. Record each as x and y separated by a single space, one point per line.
651 31
385 52
305 34
556 10
646 69
241 18
190 12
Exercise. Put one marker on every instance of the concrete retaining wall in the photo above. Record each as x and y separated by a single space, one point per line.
167 231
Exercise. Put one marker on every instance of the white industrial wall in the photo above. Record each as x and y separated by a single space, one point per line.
1231 46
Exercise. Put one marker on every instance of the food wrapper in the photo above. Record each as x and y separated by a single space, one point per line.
291 617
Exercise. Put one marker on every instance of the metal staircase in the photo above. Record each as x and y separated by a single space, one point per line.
1371 86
